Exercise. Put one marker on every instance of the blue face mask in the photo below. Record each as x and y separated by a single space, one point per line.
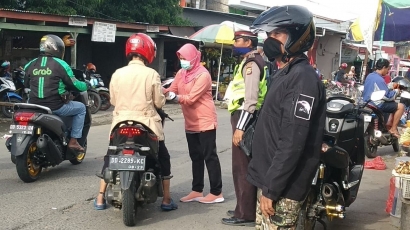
241 50
185 64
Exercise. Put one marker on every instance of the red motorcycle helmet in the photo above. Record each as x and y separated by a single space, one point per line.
141 44
91 66
343 65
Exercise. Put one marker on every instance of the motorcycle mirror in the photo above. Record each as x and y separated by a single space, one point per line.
377 95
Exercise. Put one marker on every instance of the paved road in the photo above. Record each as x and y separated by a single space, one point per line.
62 198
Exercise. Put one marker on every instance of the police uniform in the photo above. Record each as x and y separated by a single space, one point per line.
247 90
287 140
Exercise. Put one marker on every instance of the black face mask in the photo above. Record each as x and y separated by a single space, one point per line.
272 48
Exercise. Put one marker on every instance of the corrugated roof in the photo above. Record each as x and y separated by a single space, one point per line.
63 15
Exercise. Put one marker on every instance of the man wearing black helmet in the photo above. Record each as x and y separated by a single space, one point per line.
375 82
47 78
288 135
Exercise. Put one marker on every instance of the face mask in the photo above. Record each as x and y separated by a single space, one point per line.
241 50
272 48
185 64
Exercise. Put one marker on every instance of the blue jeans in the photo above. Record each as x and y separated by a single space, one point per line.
76 110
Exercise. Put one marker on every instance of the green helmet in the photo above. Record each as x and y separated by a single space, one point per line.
52 45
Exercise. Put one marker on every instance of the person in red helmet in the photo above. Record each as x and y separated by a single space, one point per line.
341 73
139 101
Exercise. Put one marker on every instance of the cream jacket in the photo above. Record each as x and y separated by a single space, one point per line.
136 92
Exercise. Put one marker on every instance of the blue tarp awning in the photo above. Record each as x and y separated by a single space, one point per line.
397 24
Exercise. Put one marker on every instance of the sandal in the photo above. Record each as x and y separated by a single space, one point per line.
100 206
169 207
394 134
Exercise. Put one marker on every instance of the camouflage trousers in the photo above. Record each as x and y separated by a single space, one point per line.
286 215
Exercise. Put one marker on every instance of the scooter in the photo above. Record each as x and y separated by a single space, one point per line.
337 180
8 94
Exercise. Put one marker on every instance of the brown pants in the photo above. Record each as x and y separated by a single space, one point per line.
245 191
287 209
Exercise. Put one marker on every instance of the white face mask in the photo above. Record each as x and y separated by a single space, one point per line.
185 64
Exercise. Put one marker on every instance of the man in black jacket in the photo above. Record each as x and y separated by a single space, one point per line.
288 135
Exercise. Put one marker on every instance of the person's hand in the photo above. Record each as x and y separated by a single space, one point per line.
237 137
27 90
266 206
395 85
170 96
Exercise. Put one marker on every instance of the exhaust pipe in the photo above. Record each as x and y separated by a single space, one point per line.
333 209
53 154
148 180
382 137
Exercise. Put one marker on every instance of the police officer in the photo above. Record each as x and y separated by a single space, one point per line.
288 135
247 91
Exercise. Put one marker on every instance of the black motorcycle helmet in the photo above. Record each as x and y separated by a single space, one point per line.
53 45
297 20
404 84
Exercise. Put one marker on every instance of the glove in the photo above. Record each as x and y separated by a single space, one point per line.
170 96
27 90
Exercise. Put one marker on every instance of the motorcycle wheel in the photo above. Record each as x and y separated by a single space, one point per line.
105 100
94 101
13 159
129 206
304 222
396 145
79 159
26 170
369 150
8 110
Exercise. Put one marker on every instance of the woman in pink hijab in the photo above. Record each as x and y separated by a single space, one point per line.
192 89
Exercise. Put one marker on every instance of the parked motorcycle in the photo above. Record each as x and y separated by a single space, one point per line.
341 166
97 83
18 79
133 174
94 99
7 94
40 138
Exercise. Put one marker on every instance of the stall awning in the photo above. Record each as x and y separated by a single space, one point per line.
181 31
180 38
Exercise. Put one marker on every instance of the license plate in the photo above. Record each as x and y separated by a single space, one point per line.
23 129
127 163
367 118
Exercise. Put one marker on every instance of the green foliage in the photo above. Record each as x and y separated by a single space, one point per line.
149 11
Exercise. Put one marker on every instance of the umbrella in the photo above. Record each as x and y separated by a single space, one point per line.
216 33
222 34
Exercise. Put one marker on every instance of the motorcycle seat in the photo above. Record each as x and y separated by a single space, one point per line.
32 106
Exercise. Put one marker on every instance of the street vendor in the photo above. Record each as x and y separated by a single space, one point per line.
247 91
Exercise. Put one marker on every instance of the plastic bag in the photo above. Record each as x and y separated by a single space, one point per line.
377 163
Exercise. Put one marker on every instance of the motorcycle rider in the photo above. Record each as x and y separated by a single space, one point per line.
288 135
375 82
136 93
90 69
5 70
46 80
247 92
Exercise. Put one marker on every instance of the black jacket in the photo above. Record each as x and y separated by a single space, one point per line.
48 78
288 135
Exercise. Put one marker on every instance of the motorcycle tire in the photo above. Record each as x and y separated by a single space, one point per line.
129 205
26 170
13 159
369 150
304 222
94 101
105 100
396 145
80 158
8 110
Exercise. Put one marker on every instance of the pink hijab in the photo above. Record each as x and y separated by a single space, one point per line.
191 54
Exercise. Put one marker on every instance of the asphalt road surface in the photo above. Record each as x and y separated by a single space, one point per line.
63 196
